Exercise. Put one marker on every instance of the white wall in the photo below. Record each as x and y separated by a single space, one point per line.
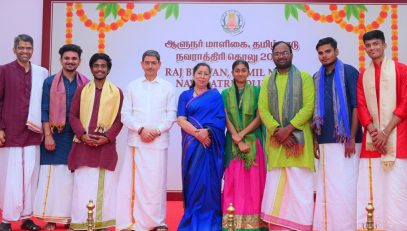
20 17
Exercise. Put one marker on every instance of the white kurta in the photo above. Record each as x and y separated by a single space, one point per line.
148 104
18 182
337 176
389 194
53 199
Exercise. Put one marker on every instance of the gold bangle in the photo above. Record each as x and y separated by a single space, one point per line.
47 134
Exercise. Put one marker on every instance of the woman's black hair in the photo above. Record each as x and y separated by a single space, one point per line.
195 69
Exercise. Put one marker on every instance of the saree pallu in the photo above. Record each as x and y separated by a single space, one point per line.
202 168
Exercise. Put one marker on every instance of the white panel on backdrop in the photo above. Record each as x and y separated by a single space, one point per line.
20 17
214 33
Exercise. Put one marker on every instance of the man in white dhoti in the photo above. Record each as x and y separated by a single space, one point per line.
382 110
20 134
286 105
95 120
54 194
149 111
337 140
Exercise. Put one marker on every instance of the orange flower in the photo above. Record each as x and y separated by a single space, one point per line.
316 16
147 15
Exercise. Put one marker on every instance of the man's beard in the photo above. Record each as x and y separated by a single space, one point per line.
287 65
73 70
330 64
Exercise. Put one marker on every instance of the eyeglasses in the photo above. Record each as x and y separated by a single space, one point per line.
24 48
281 54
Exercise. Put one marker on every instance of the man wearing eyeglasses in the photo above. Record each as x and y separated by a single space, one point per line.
286 105
20 134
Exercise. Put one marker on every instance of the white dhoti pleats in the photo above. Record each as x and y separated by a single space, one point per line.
389 189
98 185
141 199
288 199
335 205
18 182
53 199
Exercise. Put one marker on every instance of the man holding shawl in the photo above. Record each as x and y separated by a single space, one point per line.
337 140
95 121
20 134
382 110
286 105
54 194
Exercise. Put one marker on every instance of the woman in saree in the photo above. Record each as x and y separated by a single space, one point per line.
201 117
245 172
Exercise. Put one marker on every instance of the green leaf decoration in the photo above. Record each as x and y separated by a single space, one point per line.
295 14
287 12
163 6
109 8
176 11
100 6
354 11
171 9
168 11
300 6
292 10
115 10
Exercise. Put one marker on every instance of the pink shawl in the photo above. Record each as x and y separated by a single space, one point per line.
57 106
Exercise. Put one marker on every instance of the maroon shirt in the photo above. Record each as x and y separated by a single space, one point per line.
104 156
15 89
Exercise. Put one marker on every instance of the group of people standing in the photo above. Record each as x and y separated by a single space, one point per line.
51 127
58 143
275 134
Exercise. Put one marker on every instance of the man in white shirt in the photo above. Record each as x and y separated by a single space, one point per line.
149 110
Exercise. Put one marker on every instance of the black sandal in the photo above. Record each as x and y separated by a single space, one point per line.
29 225
5 226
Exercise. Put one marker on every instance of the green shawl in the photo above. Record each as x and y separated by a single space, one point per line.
241 118
291 105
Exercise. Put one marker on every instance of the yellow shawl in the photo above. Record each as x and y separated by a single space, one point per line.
108 109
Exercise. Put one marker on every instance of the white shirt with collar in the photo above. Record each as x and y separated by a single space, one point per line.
149 104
